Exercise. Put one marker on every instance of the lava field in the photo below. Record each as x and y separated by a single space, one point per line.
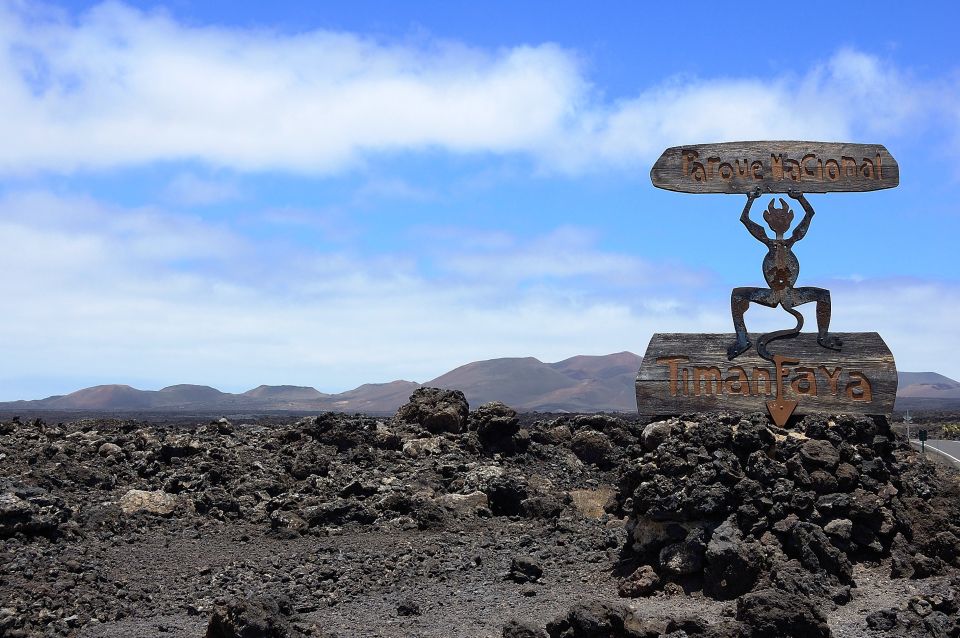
448 522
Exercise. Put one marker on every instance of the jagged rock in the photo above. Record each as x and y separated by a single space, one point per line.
591 446
464 504
589 620
153 502
592 503
252 618
656 433
13 508
840 528
641 582
751 436
769 612
110 449
517 629
684 558
310 461
542 506
495 424
732 565
178 446
417 448
814 550
281 519
524 570
819 454
882 620
506 493
436 410
337 512
847 477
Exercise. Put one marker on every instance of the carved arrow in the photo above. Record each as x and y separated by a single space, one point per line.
780 409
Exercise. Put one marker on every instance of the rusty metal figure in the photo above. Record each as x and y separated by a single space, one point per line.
780 270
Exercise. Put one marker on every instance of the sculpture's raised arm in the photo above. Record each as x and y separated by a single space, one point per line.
804 225
755 229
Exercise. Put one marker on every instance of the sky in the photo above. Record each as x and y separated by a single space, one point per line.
330 194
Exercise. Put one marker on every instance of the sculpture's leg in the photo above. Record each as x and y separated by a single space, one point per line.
822 297
740 300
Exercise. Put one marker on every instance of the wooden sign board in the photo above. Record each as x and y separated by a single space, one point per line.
684 373
776 167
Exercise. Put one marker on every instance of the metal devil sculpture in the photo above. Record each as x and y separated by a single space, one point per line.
780 270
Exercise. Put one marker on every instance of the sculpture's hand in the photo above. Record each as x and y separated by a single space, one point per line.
795 194
755 193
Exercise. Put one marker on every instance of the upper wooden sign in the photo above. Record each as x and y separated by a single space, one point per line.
776 167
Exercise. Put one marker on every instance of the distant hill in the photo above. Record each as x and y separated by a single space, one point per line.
578 384
927 385
285 393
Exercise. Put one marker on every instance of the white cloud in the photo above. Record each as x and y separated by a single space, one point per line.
191 190
97 294
118 86
100 295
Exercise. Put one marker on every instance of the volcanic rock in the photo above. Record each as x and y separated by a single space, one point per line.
595 619
155 502
495 424
818 453
733 564
251 618
769 612
594 447
656 433
641 582
436 410
524 570
592 503
518 629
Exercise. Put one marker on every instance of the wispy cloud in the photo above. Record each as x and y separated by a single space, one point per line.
118 86
98 292
193 190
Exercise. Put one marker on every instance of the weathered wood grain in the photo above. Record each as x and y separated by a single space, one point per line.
776 167
864 354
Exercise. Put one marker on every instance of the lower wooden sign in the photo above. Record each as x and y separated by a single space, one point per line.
691 373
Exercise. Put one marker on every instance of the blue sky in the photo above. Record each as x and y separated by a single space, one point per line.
331 194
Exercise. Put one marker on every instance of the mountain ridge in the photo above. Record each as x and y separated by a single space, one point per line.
582 383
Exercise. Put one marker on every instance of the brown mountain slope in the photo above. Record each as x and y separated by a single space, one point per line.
373 397
927 385
578 384
285 393
515 381
103 397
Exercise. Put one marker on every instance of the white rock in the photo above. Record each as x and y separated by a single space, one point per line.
142 501
590 502
464 503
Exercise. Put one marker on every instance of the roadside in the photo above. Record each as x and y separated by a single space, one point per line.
941 452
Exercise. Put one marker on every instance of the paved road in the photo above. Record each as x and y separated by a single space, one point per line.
951 448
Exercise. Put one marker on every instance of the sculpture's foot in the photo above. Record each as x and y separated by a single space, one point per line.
831 342
738 348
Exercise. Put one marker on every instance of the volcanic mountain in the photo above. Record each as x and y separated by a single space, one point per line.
579 384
